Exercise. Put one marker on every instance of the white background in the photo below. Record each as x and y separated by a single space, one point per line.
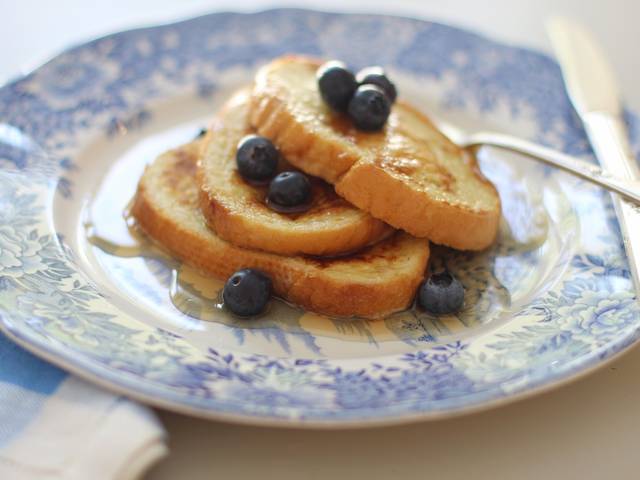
589 429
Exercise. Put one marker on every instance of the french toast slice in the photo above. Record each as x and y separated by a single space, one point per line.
409 174
378 280
237 210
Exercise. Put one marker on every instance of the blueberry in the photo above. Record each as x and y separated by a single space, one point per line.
289 189
257 158
377 76
337 84
441 293
369 108
247 292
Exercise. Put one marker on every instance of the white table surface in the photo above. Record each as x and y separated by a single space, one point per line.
588 429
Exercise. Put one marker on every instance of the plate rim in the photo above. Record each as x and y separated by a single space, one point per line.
90 372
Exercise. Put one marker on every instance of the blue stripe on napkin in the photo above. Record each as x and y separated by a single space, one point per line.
25 384
19 367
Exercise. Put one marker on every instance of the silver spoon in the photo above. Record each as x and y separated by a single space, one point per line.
629 189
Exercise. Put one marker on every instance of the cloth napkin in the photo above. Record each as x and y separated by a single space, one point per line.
55 426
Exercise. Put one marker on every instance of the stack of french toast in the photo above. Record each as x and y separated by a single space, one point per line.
320 186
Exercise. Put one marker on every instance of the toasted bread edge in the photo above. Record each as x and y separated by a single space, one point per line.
298 280
300 145
413 211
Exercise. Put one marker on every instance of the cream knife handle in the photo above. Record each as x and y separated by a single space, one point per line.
608 137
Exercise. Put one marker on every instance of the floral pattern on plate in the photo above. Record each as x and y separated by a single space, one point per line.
541 308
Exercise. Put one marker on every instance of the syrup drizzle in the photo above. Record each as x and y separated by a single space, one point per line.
199 297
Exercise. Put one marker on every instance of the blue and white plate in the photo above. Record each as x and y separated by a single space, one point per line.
553 298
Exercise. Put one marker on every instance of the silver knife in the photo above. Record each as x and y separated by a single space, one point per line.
592 88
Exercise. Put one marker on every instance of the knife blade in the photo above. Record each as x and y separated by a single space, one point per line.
593 91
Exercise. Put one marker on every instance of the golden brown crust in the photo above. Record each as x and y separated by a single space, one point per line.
379 280
236 210
409 174
416 213
328 242
302 146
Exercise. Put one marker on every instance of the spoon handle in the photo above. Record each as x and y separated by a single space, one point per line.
629 189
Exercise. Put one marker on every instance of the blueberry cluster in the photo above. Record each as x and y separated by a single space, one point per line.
366 97
257 160
247 291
